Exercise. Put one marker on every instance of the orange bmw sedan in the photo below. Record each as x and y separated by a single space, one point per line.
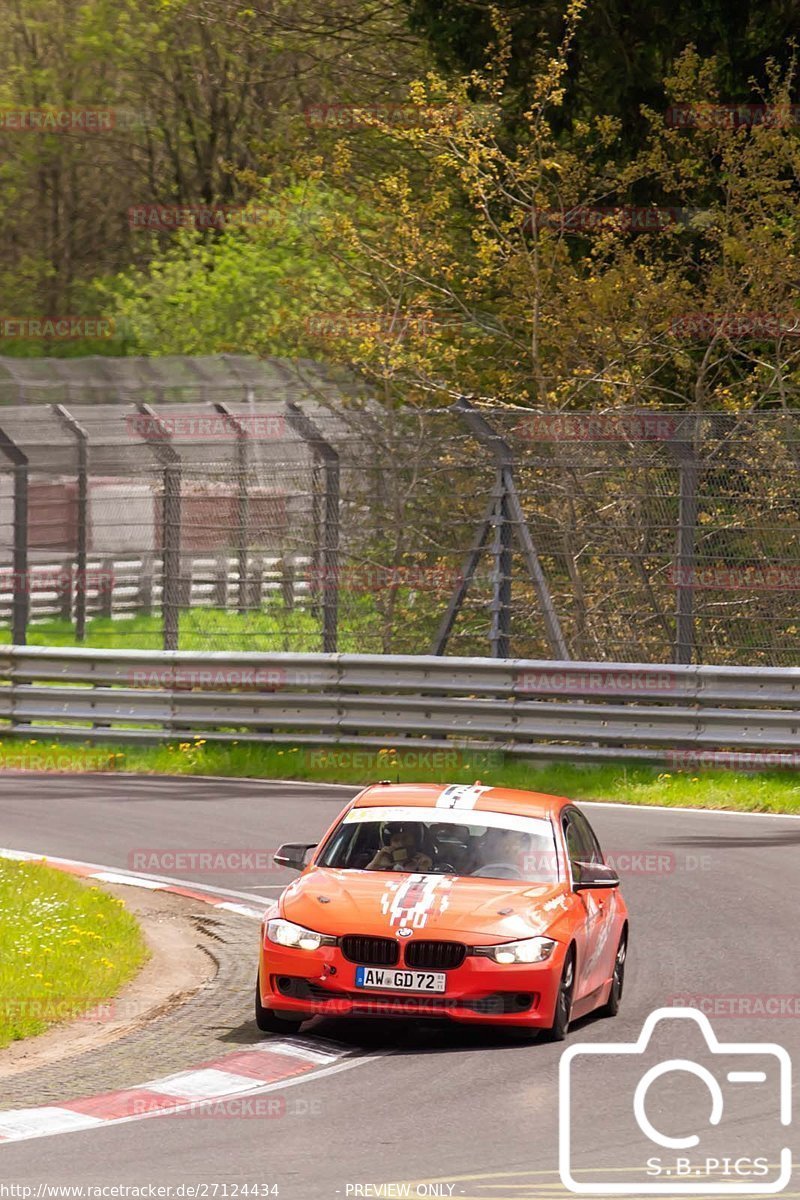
471 903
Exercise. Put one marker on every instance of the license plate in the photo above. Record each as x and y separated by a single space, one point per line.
400 981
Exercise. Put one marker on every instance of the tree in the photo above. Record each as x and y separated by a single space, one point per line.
204 96
622 52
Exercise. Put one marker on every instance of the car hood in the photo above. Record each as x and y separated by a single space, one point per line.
380 903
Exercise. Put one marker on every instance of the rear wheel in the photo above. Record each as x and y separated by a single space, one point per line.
611 1007
268 1021
558 1030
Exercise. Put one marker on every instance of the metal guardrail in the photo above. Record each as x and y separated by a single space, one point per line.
550 710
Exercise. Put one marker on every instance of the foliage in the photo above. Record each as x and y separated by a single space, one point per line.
65 948
622 52
531 302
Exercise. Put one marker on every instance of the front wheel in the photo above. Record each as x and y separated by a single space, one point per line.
558 1030
611 1006
268 1020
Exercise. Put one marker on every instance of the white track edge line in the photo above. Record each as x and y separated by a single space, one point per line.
706 812
277 1085
95 868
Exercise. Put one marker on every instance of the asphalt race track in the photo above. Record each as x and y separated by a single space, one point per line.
714 913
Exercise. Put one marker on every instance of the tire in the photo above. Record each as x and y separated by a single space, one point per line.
558 1030
268 1020
611 1007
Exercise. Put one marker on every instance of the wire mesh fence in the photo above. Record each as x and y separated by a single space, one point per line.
233 514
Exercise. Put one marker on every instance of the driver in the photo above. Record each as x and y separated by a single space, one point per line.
401 852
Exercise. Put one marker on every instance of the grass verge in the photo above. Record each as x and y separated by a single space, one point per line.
774 791
65 947
272 629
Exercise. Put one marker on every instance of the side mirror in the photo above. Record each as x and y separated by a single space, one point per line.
593 875
293 854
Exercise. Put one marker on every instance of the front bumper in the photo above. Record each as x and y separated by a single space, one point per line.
480 991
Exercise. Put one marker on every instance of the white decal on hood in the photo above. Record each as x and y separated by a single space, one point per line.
410 901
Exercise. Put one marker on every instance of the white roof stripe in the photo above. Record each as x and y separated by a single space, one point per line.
460 795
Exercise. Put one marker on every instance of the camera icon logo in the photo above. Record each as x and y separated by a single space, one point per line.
695 1116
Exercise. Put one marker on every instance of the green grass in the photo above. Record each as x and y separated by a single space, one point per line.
774 791
273 629
65 947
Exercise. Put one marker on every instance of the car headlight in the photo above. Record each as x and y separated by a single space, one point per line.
286 933
529 950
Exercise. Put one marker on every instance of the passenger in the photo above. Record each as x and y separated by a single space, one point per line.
503 847
401 852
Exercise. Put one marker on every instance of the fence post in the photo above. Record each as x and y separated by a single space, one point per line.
155 434
327 554
105 588
683 446
242 502
21 602
82 538
504 458
146 585
500 631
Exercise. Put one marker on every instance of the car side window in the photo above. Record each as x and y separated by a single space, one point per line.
588 839
582 845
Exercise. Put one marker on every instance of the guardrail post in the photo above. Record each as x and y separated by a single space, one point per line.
504 458
155 433
82 535
21 602
327 549
242 503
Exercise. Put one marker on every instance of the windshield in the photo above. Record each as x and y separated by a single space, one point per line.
438 841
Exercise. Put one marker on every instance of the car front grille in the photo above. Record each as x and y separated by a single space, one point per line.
435 956
372 951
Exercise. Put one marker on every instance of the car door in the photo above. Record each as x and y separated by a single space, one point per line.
599 904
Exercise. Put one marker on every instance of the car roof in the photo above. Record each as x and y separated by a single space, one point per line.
468 797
